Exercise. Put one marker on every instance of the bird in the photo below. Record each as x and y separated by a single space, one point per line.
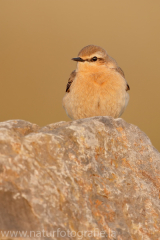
97 87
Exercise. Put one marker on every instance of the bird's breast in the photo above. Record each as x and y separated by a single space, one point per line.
96 94
100 81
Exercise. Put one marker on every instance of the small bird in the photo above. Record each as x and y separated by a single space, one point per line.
97 87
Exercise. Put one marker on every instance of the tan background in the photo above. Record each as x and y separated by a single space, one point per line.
38 38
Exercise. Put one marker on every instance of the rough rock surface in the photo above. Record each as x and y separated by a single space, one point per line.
96 178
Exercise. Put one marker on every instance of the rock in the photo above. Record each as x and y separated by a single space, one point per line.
95 178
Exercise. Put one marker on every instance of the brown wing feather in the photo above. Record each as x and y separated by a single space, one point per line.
118 69
70 80
128 87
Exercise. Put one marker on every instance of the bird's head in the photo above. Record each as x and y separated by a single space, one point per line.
93 58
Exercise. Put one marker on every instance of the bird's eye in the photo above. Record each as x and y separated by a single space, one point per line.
94 59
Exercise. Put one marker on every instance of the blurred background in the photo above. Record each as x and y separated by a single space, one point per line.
38 39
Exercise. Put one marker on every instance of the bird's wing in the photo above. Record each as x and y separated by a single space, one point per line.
70 80
118 69
127 87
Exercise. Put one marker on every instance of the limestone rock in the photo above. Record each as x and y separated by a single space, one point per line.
95 178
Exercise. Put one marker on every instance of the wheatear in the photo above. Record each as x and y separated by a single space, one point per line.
97 87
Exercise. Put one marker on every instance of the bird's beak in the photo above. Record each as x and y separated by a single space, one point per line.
78 59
